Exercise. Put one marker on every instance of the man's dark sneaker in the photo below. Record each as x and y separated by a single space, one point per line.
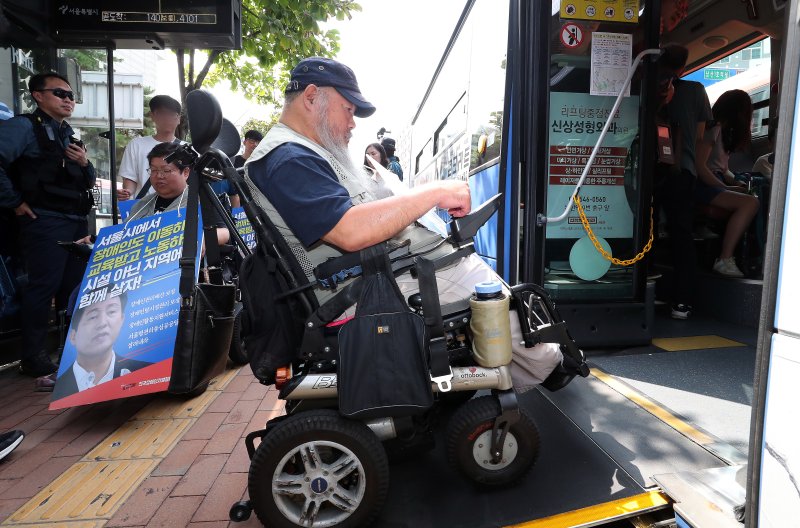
45 383
681 311
37 366
9 442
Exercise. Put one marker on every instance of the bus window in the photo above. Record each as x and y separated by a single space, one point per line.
453 125
747 69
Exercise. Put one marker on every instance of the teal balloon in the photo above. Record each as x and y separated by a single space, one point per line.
586 262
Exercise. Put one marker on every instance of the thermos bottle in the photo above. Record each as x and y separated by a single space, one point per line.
490 325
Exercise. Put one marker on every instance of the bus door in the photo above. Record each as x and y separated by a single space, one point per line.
569 70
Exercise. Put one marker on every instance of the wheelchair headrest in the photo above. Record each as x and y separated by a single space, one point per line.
228 140
205 119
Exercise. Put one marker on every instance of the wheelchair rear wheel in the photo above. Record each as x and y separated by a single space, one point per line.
318 469
469 434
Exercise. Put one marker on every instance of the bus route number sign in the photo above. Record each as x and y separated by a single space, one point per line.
571 35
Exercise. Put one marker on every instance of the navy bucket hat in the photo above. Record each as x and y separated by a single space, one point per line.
328 72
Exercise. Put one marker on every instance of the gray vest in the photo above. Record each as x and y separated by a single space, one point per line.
421 238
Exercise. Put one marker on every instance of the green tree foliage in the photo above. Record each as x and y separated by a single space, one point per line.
275 33
89 59
261 125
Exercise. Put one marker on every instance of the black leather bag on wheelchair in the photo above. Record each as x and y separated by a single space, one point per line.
383 368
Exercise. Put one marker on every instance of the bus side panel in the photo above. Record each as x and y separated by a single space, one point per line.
780 462
483 185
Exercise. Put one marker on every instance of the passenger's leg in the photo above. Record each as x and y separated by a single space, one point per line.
529 366
678 206
743 209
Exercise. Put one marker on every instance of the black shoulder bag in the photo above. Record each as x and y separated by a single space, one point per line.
205 320
383 368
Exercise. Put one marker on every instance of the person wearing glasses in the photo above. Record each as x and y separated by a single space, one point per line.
166 115
45 178
171 192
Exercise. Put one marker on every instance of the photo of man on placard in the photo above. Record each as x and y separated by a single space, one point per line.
93 332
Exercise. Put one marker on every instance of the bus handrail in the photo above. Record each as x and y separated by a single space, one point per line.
542 219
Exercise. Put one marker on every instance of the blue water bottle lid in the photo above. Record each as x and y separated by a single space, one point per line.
488 287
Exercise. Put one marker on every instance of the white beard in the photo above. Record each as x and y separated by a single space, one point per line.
333 144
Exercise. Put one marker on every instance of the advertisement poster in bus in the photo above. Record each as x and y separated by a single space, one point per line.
576 120
122 333
605 11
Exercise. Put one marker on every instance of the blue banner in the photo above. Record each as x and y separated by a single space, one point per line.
122 334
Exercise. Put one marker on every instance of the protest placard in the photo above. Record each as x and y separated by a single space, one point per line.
122 334
243 227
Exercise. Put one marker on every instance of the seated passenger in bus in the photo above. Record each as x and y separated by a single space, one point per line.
716 184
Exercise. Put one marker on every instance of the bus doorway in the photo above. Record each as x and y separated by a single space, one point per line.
666 396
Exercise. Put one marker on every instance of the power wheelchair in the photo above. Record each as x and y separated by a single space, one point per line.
314 467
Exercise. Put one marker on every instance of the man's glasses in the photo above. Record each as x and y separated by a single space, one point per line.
156 172
59 92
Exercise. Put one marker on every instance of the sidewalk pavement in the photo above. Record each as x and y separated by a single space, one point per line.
152 460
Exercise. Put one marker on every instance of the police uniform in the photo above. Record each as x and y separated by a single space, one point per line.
35 170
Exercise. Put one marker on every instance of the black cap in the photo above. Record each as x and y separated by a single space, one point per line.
328 72
388 143
165 101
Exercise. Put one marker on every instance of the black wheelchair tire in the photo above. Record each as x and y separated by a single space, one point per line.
469 425
237 352
326 430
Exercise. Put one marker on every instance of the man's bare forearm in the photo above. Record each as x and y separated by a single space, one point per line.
367 224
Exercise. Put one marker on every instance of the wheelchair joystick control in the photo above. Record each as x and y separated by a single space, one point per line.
415 302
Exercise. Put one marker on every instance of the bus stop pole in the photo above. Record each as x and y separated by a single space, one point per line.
112 133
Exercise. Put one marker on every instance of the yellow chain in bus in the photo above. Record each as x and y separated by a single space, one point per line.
601 250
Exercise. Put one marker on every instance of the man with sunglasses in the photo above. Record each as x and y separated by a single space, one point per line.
45 178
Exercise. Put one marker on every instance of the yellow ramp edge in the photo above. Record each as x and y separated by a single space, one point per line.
606 511
678 344
653 408
89 493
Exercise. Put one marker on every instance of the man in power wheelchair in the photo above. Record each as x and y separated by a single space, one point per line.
326 245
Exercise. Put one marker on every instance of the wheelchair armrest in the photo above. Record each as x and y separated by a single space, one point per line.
464 228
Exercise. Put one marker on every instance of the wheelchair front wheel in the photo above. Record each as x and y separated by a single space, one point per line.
469 434
318 469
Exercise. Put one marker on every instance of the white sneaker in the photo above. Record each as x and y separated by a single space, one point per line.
727 267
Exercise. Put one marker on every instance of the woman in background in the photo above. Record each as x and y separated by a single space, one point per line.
716 185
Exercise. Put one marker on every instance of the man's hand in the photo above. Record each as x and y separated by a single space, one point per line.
85 240
24 209
123 194
455 197
77 154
